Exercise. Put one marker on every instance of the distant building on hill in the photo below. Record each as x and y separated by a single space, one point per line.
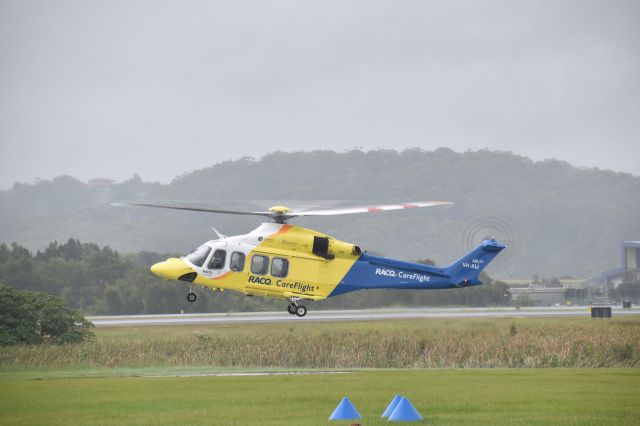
100 182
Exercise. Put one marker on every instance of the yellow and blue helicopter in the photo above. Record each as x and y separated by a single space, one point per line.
289 262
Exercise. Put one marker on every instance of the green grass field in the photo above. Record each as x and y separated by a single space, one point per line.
433 362
458 397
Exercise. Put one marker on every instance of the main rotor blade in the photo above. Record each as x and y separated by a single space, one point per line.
283 216
195 208
371 209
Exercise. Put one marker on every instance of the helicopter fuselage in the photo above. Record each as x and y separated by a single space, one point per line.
290 262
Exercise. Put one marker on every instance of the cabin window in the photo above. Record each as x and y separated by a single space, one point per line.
217 260
259 264
237 261
199 255
279 267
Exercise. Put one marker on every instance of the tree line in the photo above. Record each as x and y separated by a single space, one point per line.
100 281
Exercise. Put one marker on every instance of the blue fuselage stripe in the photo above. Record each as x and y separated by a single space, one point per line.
375 272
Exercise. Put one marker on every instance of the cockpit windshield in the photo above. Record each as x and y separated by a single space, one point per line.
199 255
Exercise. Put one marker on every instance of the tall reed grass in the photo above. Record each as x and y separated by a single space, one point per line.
486 343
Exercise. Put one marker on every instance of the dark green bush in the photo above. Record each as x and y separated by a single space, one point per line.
29 317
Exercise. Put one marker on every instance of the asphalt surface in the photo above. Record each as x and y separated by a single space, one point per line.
355 315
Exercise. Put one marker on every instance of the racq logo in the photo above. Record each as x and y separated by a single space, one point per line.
421 278
259 280
296 286
386 272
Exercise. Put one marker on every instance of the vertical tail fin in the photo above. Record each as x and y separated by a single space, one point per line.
466 270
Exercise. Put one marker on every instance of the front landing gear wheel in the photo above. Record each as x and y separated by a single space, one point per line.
191 297
301 311
291 309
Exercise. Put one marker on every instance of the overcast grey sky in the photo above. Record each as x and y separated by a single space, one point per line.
110 88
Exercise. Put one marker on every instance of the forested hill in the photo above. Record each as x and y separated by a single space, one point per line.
557 219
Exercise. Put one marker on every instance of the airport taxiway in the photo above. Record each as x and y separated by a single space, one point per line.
350 315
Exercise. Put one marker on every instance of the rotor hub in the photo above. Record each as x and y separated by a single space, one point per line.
279 214
280 209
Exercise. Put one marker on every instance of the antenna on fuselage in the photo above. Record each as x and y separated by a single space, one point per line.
220 236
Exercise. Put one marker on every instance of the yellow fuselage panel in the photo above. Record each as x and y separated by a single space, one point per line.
309 276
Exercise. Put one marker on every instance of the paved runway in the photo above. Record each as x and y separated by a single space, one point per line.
354 315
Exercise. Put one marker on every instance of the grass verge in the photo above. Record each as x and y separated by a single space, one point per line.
458 397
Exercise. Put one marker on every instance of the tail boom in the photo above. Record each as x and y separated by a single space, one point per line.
375 272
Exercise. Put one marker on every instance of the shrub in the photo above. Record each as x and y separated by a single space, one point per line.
28 317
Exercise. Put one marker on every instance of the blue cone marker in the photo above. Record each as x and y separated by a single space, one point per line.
345 411
405 412
391 406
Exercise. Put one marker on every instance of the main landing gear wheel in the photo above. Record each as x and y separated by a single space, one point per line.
291 309
191 297
301 311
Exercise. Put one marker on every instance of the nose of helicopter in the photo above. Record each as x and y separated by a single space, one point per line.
159 269
171 268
